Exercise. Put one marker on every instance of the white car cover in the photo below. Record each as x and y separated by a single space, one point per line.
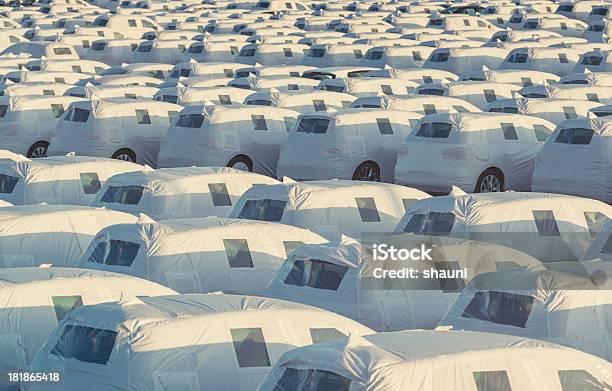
461 60
588 143
26 121
553 110
171 193
438 360
546 305
182 342
477 93
128 128
198 255
32 235
345 278
66 180
207 135
423 104
302 101
30 319
329 208
549 227
345 144
463 149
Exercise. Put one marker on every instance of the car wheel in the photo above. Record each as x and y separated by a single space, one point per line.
37 150
241 162
490 181
367 171
125 154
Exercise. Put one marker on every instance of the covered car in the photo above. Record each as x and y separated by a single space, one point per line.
577 160
198 255
353 278
329 208
183 342
358 144
171 193
27 122
66 180
480 152
247 137
549 227
30 319
125 129
424 360
547 305
32 235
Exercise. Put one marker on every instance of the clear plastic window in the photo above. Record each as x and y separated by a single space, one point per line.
386 89
219 194
434 130
319 105
57 110
291 245
120 253
85 344
607 248
7 183
315 273
190 121
61 51
542 133
367 209
313 125
90 182
546 223
128 195
500 307
142 117
311 380
325 335
449 284
492 381
172 115
263 209
592 97
65 304
563 58
576 136
439 57
77 115
289 122
490 96
570 112
595 221
384 126
416 56
432 223
509 131
250 347
429 109
581 380
288 52
225 99
238 253
259 122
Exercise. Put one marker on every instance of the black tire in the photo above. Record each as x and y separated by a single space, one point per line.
125 154
491 180
39 149
241 160
367 171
